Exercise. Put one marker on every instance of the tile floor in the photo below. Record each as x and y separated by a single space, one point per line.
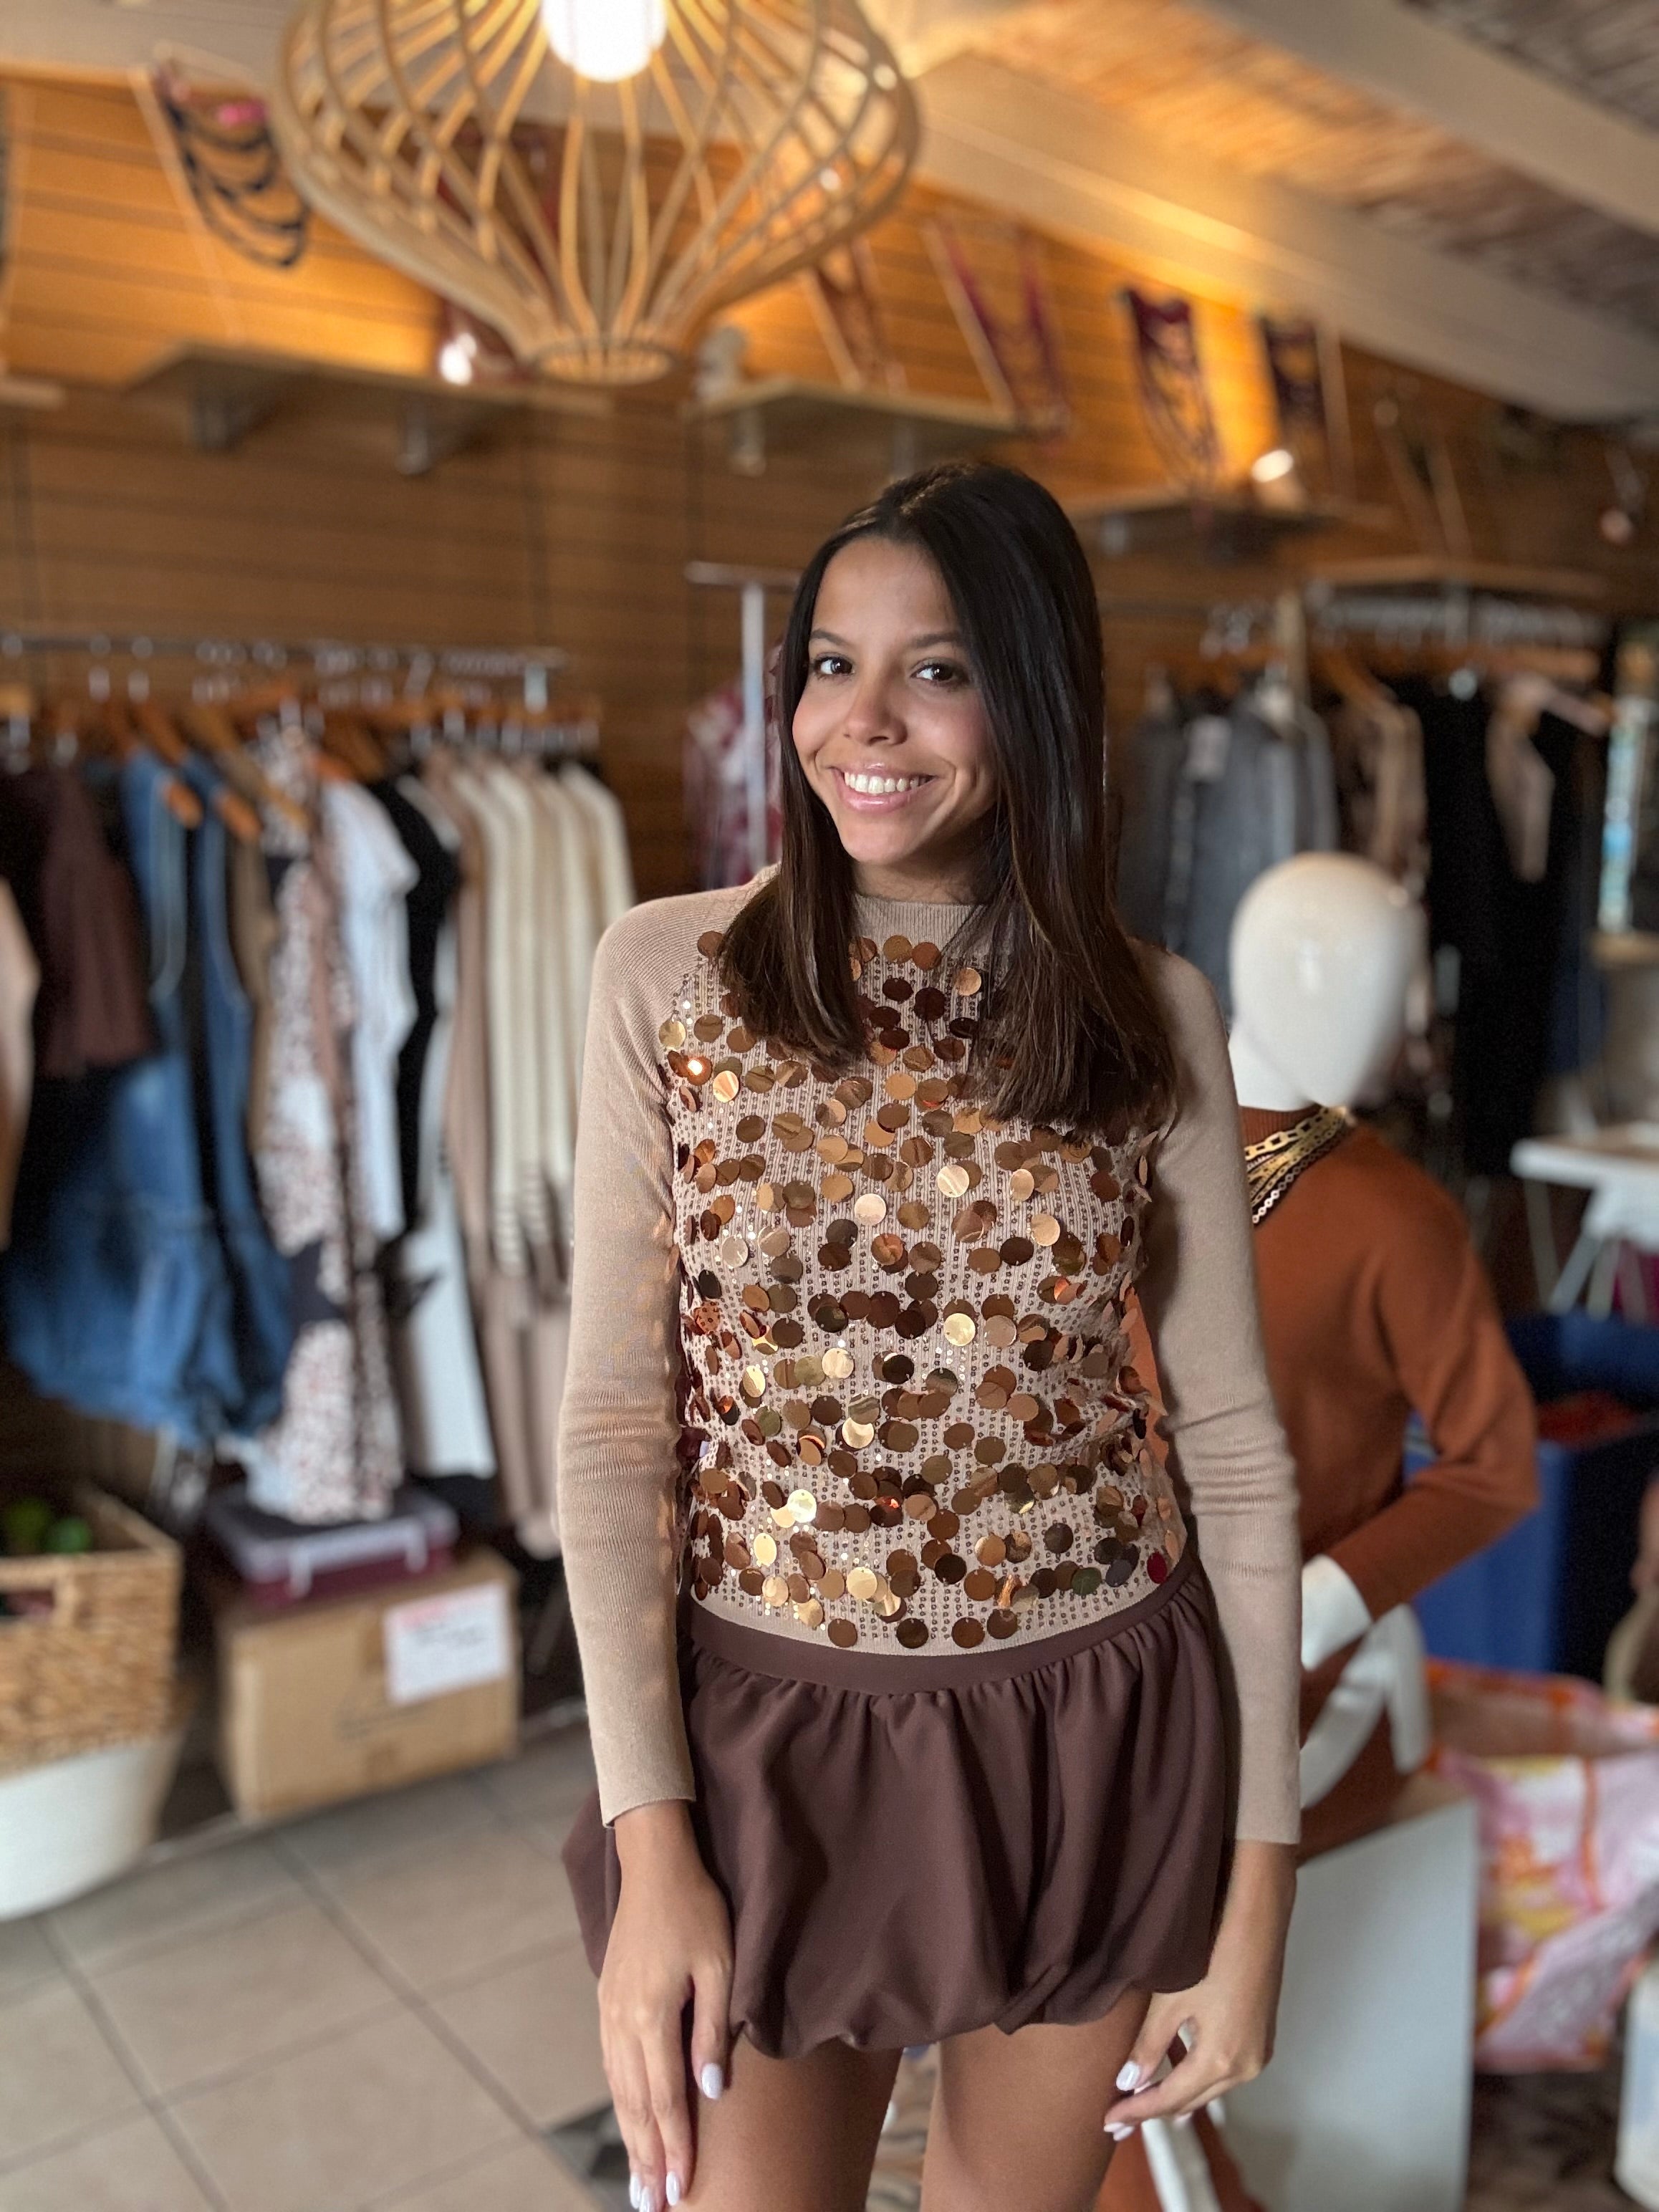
385 2005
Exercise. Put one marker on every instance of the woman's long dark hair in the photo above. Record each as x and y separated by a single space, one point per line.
1071 1034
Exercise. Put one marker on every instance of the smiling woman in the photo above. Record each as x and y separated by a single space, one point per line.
917 1718
945 642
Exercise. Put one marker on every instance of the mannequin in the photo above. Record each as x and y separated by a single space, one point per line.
1374 1305
1323 951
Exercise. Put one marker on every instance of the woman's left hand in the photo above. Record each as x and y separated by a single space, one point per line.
1227 2020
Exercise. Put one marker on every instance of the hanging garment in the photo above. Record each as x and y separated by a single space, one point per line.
221 1021
20 979
1378 749
715 775
1253 796
446 1423
115 1290
77 902
374 875
1507 932
253 941
1156 755
427 904
333 1453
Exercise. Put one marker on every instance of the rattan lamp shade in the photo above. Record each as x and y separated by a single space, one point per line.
594 225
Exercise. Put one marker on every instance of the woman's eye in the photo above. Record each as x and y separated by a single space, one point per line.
830 664
942 672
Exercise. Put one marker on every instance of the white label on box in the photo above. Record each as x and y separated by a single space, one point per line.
455 1642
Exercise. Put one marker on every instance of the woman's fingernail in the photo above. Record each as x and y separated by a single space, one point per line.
713 2080
1183 2119
673 2189
1127 2078
1118 2135
647 2200
634 2191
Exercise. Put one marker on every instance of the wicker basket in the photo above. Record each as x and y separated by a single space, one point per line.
99 1668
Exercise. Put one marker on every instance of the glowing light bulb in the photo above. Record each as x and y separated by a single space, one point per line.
456 357
606 39
1268 467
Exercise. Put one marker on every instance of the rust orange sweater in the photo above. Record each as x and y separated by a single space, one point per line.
1373 1304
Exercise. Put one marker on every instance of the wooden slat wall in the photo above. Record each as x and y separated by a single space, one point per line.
556 529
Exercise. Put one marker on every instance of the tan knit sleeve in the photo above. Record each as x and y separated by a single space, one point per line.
619 1422
1198 1290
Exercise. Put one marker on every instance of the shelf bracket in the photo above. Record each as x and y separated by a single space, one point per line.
429 435
225 409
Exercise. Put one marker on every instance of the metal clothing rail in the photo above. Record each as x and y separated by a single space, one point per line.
340 669
753 587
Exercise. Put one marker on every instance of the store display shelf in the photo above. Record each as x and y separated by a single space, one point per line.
227 392
781 414
1230 525
1453 571
29 395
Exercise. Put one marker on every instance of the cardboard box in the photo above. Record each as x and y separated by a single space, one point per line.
341 1697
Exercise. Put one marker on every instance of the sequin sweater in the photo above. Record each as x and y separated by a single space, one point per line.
849 1357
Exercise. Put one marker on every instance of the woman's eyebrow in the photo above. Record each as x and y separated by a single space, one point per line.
911 645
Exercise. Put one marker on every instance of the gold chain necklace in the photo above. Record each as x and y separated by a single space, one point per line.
1272 1165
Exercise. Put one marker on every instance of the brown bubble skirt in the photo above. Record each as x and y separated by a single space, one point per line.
913 1848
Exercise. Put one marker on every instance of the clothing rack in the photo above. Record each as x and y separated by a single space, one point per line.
753 587
339 673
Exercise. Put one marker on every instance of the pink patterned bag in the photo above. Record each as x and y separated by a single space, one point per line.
1567 1784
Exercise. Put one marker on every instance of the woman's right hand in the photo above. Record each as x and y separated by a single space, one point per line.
670 1945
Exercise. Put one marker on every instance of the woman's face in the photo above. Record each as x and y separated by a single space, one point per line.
890 729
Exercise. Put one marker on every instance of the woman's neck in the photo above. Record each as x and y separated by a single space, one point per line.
912 887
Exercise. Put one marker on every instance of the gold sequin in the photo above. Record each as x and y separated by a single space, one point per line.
774 1589
1022 1184
673 1034
698 1069
870 1208
897 948
954 1181
842 1633
858 1434
862 1584
837 1364
968 981
803 1505
765 1548
1045 1230
960 1328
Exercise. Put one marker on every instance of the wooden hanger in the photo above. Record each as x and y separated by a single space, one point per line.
179 799
349 738
215 731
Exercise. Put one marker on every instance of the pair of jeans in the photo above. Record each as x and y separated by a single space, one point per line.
139 1283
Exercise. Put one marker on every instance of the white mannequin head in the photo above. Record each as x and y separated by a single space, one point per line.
1324 949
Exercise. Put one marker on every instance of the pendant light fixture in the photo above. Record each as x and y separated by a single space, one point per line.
606 39
595 177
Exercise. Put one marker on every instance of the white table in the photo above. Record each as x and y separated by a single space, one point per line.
1619 1168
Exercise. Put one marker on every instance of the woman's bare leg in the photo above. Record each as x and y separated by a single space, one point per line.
1017 2121
792 2135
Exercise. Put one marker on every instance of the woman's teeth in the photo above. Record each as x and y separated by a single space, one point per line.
881 787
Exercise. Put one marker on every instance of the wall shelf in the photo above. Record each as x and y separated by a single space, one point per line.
788 414
1227 525
29 395
227 392
1450 571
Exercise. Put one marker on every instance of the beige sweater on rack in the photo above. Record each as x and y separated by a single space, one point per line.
849 1359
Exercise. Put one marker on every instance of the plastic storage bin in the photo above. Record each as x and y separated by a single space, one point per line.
1545 1598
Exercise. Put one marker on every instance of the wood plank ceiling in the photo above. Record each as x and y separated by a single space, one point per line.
1182 74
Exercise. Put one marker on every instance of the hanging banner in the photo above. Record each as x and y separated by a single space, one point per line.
992 275
1172 388
1304 368
847 306
1294 364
